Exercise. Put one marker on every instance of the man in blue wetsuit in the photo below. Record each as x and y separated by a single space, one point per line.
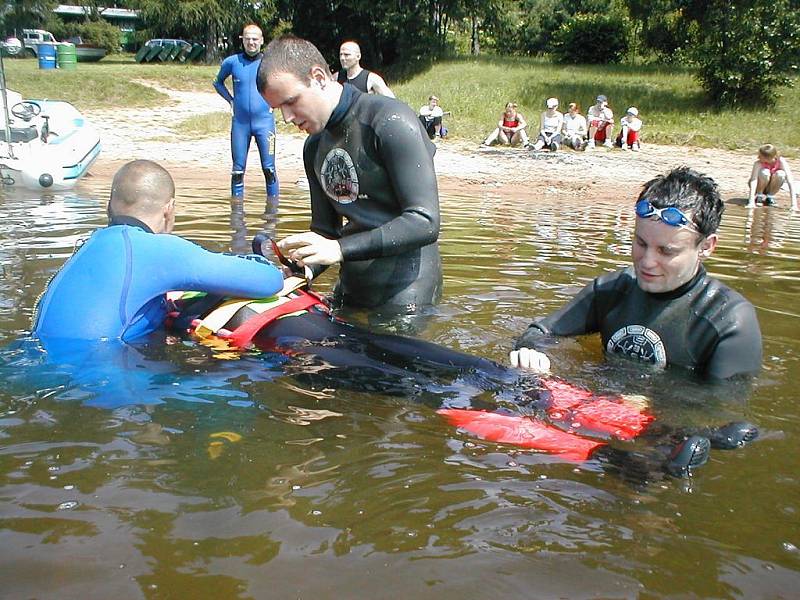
374 198
252 116
664 309
114 286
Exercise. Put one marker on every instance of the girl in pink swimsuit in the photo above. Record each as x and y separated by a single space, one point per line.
770 172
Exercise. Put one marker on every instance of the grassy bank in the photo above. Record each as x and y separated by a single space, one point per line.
109 83
669 99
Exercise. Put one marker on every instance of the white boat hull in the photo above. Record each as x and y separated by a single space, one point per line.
57 163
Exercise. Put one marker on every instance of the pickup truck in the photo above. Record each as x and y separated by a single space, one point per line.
31 38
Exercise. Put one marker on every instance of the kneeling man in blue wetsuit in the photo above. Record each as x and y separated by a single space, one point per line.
252 116
374 198
114 286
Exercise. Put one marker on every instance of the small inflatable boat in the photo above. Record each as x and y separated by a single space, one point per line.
45 144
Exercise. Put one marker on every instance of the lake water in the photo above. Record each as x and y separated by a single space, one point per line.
171 473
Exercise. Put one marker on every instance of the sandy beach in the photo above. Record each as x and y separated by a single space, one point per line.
462 166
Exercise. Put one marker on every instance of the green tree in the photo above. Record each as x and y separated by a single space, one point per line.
18 14
216 23
592 38
747 49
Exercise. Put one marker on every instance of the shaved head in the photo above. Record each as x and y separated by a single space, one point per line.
351 47
141 189
253 28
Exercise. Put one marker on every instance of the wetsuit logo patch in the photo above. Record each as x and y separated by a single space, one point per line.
637 341
339 177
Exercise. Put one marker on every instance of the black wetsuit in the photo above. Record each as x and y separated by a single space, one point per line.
703 325
373 187
359 81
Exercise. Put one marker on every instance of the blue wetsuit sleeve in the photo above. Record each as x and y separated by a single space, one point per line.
739 351
577 317
407 156
198 269
225 70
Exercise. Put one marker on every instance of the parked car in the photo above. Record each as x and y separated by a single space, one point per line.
166 42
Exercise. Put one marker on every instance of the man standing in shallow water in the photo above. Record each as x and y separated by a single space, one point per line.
664 309
252 117
374 198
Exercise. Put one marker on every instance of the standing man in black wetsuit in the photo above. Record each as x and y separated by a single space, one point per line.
664 309
352 72
374 198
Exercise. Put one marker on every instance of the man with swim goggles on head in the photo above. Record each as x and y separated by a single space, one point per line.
664 309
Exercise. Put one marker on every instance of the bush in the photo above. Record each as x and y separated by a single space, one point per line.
102 34
96 33
592 38
747 52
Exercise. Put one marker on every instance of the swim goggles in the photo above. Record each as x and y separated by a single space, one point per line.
669 215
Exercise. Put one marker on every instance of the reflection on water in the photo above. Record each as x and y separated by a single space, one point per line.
159 470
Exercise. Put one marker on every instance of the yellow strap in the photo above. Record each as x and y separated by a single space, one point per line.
217 318
292 283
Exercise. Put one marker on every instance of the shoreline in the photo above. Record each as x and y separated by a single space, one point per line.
461 166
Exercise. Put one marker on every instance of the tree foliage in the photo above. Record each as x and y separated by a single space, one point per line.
747 50
18 14
592 38
216 23
97 33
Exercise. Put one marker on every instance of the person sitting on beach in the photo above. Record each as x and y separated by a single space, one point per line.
574 127
114 286
769 174
630 126
601 123
550 125
664 309
430 115
510 128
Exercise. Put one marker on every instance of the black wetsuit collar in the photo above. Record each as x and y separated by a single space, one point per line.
349 95
257 55
130 221
680 291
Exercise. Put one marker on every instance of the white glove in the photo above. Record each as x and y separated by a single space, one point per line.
310 248
530 359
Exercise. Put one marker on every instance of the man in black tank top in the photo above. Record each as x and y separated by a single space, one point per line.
374 197
664 309
352 72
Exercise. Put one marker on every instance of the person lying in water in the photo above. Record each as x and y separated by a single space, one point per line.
480 396
131 264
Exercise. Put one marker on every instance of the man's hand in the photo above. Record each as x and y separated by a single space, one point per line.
311 249
530 359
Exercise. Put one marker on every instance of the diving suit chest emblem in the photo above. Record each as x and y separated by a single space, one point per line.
339 177
637 341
